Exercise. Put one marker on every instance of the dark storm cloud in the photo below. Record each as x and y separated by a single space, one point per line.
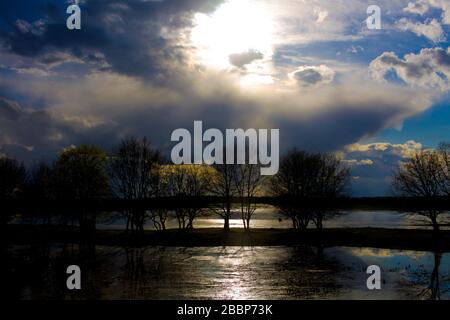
322 119
343 124
32 134
134 37
26 127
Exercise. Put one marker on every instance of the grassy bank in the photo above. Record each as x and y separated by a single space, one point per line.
354 237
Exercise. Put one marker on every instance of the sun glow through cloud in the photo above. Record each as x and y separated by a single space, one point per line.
236 27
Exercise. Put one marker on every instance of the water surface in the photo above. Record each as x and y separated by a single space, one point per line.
269 217
283 272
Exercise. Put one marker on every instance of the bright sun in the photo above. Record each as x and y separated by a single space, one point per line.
236 27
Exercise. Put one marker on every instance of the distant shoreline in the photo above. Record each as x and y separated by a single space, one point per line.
405 204
404 239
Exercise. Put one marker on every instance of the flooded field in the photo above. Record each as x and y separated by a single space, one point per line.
303 272
269 217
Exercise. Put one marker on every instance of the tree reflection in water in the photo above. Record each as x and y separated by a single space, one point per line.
433 291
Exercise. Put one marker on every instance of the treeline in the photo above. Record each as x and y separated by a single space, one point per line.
135 171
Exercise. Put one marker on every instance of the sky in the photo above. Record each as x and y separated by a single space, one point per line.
311 68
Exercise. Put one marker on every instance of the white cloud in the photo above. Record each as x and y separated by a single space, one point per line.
403 150
355 49
428 69
431 29
418 7
320 14
355 162
422 6
444 5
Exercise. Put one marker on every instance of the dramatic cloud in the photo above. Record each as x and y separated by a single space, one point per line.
121 91
326 118
149 67
141 30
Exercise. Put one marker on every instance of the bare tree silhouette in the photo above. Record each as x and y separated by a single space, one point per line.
187 182
424 175
303 177
134 176
40 184
13 176
247 178
224 187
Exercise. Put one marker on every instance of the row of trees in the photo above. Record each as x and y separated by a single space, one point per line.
135 170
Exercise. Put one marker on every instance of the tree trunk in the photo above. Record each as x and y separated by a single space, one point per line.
226 224
294 223
319 224
163 223
128 223
435 225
